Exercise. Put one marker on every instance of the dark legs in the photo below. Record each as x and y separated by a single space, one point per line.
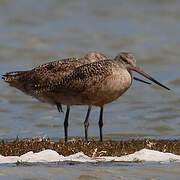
66 124
101 124
86 123
59 107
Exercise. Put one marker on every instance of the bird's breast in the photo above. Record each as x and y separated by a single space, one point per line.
113 87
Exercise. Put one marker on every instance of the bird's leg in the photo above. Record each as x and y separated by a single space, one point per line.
59 107
101 123
66 123
86 123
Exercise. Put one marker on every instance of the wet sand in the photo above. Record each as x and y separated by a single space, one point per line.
18 147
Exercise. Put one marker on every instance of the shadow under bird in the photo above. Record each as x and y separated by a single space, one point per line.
95 83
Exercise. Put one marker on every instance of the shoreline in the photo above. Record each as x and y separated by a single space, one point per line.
18 147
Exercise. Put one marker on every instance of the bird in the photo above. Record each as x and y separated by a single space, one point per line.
28 81
97 83
93 84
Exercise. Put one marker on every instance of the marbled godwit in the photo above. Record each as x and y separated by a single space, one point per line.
45 75
70 82
96 84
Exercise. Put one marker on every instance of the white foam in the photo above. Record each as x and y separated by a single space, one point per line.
53 156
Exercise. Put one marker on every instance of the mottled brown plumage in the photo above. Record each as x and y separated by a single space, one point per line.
32 82
96 84
93 84
46 75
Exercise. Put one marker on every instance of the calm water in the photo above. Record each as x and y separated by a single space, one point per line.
91 172
34 32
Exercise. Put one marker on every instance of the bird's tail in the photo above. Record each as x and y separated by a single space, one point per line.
11 77
16 79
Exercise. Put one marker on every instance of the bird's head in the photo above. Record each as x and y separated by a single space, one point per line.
95 56
128 60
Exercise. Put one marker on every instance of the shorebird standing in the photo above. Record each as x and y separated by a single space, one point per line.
30 82
96 84
93 84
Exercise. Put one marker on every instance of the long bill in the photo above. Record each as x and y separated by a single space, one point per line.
138 70
138 79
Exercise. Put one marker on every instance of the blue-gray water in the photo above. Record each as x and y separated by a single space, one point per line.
34 32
